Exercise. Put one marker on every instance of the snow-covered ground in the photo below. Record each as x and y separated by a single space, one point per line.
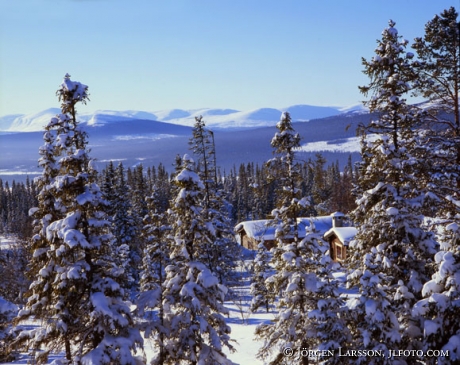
344 145
242 322
6 242
242 331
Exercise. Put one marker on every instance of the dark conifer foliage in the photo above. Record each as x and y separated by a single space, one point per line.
15 202
16 223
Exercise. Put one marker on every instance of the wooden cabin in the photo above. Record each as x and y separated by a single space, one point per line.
339 237
251 233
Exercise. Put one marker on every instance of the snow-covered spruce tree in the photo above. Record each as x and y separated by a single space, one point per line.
46 211
389 259
76 293
193 304
7 312
438 67
439 81
293 279
223 252
155 260
441 304
327 328
294 282
259 291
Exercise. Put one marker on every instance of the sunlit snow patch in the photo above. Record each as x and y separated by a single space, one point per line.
18 172
347 145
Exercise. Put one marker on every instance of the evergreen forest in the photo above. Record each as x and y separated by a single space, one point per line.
106 260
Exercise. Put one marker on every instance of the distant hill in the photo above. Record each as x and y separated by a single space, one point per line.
120 136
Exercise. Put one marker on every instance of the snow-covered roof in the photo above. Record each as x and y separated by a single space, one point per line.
321 223
344 234
259 229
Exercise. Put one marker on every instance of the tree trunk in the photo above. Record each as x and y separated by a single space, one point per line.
68 353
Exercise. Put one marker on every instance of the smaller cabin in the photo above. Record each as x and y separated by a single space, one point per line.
339 237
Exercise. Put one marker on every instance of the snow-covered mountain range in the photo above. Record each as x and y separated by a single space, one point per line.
135 137
215 118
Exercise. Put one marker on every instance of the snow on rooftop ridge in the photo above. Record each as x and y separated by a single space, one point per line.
344 234
337 214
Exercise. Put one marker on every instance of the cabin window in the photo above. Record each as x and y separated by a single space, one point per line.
340 252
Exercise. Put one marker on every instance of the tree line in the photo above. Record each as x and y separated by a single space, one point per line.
249 194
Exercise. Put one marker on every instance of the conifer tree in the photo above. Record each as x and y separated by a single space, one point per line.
441 304
108 184
293 279
7 313
223 251
163 186
124 226
155 260
391 253
138 192
202 146
193 296
327 328
77 291
320 188
438 67
259 291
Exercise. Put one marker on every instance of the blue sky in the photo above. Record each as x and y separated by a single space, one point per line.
152 55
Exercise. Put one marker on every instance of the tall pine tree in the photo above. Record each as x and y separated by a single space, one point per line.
77 290
293 280
439 81
391 252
